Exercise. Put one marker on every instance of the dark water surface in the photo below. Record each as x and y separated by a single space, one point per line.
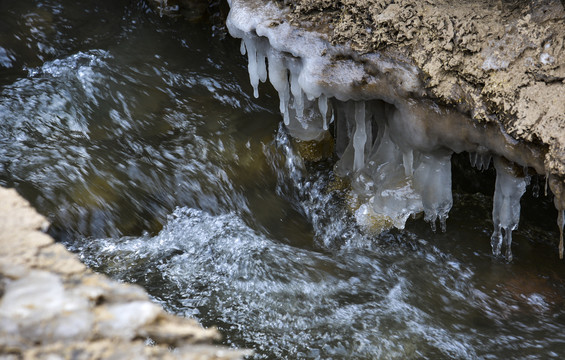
139 138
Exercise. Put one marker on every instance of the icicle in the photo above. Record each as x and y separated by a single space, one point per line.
393 194
323 106
443 221
311 97
480 159
509 188
432 180
242 47
408 162
296 91
252 65
556 186
278 76
341 130
561 224
261 66
360 136
486 161
535 186
546 181
286 118
473 159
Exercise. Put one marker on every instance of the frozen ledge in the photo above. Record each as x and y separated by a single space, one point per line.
393 136
53 307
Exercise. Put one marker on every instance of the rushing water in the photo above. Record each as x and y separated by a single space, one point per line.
137 136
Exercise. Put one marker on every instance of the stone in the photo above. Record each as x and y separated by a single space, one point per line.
53 307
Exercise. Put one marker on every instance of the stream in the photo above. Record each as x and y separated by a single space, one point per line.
139 138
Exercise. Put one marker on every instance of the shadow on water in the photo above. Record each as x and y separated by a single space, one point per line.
138 138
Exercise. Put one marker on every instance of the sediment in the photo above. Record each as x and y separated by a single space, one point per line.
52 306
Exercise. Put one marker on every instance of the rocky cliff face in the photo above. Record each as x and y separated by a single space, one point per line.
52 306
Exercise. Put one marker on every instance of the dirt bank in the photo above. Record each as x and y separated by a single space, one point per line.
501 61
52 306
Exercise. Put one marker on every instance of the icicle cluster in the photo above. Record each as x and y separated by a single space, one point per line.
396 152
391 176
558 189
303 113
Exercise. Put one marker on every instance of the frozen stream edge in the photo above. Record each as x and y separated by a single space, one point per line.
394 143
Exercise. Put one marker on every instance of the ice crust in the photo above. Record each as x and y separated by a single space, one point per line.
393 144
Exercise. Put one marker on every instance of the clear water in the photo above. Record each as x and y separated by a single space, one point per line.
139 138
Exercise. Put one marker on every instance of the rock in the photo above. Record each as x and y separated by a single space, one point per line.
168 329
122 320
36 308
53 307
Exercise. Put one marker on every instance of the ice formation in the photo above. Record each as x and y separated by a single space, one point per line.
393 144
509 188
561 224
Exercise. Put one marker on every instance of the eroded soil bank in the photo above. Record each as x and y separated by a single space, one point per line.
496 61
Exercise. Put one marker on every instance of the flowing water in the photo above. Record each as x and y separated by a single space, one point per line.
138 136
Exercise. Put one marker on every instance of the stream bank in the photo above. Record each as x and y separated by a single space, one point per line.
52 306
407 85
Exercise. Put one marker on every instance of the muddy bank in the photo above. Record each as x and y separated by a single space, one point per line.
52 306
